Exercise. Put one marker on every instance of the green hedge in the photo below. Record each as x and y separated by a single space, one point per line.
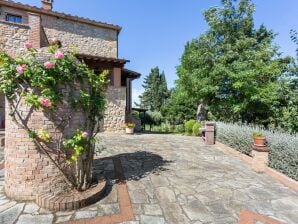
284 147
196 129
188 126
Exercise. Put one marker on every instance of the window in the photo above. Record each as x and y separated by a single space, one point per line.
13 18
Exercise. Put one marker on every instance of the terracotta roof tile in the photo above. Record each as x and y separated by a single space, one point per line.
35 9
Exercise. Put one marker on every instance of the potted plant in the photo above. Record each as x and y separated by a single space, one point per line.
130 128
259 138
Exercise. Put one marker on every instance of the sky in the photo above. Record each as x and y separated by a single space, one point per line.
154 32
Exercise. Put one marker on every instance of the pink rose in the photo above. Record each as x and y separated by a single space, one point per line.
28 45
85 135
45 102
49 65
21 69
59 55
54 40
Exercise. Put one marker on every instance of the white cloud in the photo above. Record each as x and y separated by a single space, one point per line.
135 95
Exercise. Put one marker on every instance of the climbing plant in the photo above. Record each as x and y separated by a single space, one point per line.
60 82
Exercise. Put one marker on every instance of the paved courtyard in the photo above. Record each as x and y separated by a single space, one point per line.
176 179
171 179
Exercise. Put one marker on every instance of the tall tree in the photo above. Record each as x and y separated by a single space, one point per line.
233 67
155 90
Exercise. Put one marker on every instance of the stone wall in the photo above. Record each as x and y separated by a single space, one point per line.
87 39
115 114
13 37
7 10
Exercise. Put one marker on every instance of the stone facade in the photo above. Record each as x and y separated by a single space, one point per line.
85 38
13 37
115 113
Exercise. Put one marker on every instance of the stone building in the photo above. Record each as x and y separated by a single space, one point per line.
95 42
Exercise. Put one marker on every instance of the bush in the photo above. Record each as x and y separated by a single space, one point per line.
179 128
153 117
188 126
165 127
283 155
196 129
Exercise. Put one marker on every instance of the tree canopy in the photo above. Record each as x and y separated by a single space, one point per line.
155 91
233 67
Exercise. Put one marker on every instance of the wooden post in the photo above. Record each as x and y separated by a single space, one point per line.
117 77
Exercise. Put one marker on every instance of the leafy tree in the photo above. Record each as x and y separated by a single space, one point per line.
180 107
286 111
233 67
155 90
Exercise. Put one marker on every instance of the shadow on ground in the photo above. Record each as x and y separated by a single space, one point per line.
135 165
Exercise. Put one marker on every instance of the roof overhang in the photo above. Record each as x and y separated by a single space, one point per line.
130 74
98 62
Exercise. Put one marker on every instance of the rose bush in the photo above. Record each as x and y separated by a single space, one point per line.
38 84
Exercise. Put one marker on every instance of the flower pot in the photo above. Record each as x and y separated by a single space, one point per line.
129 131
259 141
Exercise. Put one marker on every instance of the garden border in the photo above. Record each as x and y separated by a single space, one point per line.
126 211
287 181
248 217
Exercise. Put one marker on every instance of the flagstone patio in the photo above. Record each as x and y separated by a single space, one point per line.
170 179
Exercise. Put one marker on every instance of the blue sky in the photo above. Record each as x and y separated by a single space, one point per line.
155 31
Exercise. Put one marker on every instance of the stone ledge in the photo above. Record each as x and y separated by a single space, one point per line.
260 148
71 200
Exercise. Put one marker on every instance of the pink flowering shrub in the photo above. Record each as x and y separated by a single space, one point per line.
21 68
43 89
59 55
45 102
49 65
28 45
85 135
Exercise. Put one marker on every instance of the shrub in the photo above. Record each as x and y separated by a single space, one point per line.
153 117
283 155
165 127
196 129
188 126
179 128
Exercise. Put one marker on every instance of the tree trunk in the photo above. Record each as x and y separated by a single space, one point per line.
83 169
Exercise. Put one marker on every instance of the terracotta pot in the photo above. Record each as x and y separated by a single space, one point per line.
259 141
129 131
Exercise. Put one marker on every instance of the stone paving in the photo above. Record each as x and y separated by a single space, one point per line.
176 179
171 179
